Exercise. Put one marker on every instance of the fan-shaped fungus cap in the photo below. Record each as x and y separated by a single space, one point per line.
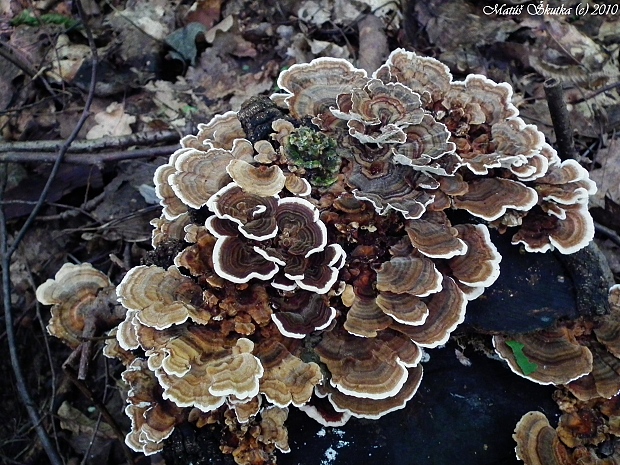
200 174
272 428
433 235
567 183
480 96
320 409
489 198
479 266
379 103
426 76
73 293
152 418
412 275
173 206
298 245
375 408
378 113
237 262
513 139
394 189
113 349
165 229
607 330
550 356
540 232
565 222
603 380
297 185
403 308
427 148
220 132
257 180
538 442
251 213
301 231
197 257
161 297
245 410
212 376
302 314
446 310
510 144
374 368
365 318
314 87
287 379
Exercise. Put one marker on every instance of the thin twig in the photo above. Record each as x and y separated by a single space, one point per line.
560 118
608 233
20 381
88 158
597 92
101 407
91 443
10 54
70 211
103 143
48 352
8 251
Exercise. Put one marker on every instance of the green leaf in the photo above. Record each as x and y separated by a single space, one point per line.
524 363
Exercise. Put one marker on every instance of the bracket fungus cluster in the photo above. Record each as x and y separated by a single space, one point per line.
322 238
588 430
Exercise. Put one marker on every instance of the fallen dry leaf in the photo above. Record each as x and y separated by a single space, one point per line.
562 51
111 122
607 177
66 59
205 12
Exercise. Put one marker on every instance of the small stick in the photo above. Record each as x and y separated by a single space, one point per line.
108 142
99 405
88 158
86 347
607 232
560 118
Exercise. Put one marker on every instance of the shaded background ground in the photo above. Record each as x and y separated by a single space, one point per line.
166 66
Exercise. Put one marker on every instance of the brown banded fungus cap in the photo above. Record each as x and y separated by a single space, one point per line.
73 295
152 418
302 314
564 221
559 359
374 368
604 380
312 88
278 235
193 373
538 442
161 298
287 379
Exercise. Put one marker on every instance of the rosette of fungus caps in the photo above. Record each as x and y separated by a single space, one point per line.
74 294
348 214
